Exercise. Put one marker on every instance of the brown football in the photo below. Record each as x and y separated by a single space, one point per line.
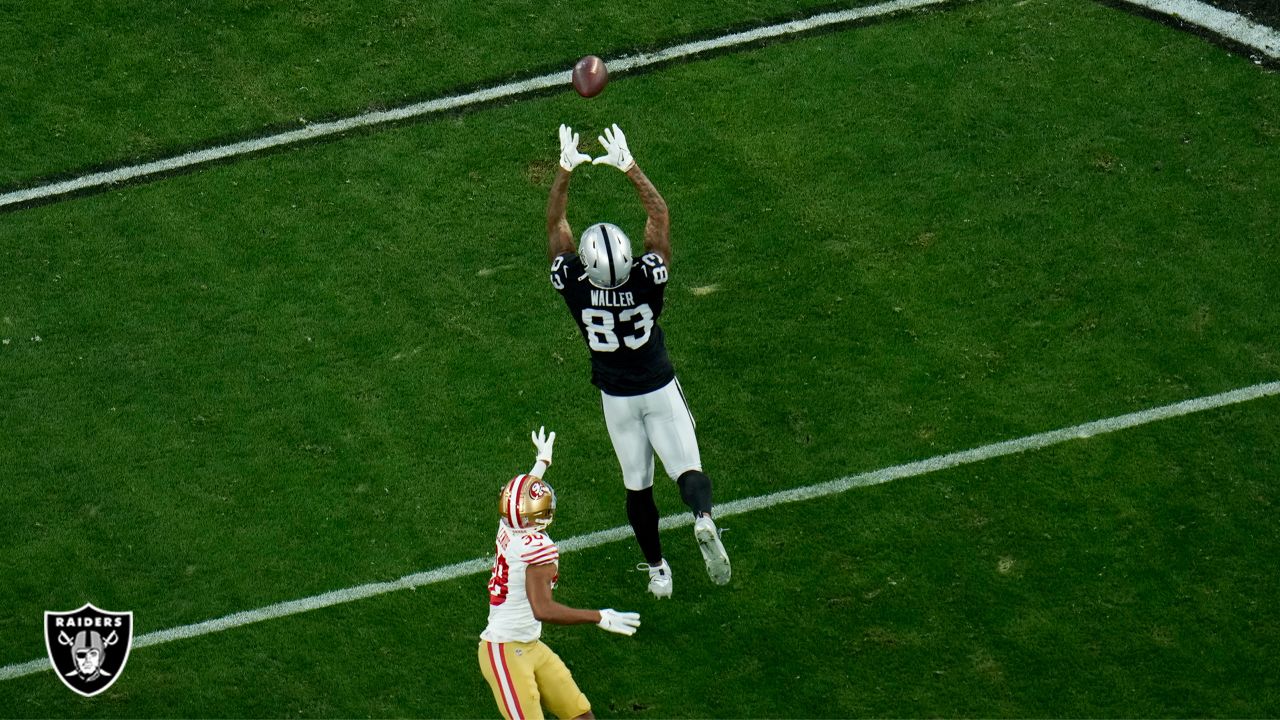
590 76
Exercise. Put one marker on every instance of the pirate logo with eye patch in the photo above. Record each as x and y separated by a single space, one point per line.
88 647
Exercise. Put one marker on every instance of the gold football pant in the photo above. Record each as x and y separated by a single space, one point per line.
525 677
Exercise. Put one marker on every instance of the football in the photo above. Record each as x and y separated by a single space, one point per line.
590 76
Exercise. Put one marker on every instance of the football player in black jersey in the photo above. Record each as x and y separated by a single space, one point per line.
616 300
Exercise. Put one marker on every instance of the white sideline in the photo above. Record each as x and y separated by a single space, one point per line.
582 542
1230 25
428 107
1227 24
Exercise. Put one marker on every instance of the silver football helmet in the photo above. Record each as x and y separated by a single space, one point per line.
606 252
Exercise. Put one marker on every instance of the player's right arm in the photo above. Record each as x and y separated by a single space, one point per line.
537 585
538 580
559 234
657 229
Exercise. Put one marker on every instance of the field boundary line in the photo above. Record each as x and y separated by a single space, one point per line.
1220 22
314 131
1223 23
735 507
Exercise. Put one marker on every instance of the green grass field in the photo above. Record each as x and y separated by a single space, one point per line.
313 369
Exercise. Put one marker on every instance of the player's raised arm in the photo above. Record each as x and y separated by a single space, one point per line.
540 578
546 445
559 235
657 229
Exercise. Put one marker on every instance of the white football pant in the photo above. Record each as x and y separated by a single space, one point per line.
641 425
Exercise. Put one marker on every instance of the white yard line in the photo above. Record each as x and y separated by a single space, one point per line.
582 542
1264 39
455 102
1227 24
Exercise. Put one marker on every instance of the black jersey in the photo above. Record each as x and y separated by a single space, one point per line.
620 326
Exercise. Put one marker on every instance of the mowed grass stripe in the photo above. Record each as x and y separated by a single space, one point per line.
478 565
628 63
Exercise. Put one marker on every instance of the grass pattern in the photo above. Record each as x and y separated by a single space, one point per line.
313 369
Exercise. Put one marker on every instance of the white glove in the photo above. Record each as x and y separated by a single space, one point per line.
616 152
570 156
623 623
543 442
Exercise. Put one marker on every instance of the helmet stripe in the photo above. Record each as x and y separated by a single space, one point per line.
608 253
518 500
517 492
513 502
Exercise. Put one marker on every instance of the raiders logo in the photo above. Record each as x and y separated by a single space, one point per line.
88 647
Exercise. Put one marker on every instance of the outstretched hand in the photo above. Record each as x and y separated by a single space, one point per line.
623 623
544 442
616 152
570 156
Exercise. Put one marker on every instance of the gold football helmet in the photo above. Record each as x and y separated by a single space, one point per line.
527 502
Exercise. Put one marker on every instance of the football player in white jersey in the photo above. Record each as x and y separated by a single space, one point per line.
524 674
616 300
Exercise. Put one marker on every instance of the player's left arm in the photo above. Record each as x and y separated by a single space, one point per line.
545 445
559 234
538 579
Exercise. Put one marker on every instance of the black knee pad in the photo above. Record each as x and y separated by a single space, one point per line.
695 490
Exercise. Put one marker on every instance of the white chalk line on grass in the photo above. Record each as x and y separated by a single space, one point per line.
736 507
1227 24
454 102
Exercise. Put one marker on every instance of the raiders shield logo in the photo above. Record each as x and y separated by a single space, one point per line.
88 647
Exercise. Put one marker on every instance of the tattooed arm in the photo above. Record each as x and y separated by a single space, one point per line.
559 236
657 230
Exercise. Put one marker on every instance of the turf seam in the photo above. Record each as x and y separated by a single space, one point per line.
810 492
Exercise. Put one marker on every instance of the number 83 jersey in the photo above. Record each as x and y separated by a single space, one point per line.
620 325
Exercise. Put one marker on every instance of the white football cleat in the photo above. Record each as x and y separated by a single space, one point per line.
659 578
713 554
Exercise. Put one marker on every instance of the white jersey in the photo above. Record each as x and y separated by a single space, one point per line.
510 615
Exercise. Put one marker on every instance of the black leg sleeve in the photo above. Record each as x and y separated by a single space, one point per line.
695 490
642 512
